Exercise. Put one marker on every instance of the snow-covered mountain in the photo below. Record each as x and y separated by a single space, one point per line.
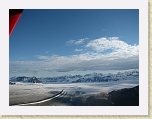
25 79
92 77
99 77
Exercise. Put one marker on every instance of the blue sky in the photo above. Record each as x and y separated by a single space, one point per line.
59 42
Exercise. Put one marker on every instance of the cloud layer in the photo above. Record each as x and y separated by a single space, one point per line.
100 54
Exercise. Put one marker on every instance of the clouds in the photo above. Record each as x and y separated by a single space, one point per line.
112 43
70 42
78 50
80 41
76 42
98 54
103 44
113 47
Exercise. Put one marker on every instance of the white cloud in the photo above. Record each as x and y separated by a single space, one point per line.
103 44
78 50
70 42
42 57
113 45
76 42
121 56
80 41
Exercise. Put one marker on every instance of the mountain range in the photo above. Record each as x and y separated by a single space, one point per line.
92 77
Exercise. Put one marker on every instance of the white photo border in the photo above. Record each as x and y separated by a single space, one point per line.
142 109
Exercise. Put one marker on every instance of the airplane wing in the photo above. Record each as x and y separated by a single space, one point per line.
14 15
